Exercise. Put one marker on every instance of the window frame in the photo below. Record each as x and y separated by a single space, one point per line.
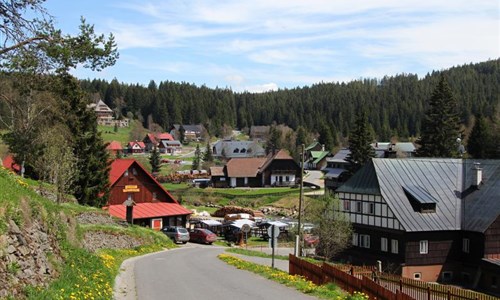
424 247
466 245
394 250
384 244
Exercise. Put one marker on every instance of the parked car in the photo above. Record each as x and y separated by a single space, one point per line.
202 235
176 233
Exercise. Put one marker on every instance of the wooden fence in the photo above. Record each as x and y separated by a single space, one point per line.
379 285
427 291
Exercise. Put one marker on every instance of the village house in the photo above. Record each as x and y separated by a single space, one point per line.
105 115
278 169
115 148
228 149
259 133
428 219
153 206
154 139
136 147
195 132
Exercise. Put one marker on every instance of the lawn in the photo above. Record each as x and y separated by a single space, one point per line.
108 134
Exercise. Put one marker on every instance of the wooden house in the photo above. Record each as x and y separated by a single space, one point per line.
170 147
192 132
259 133
155 139
427 219
136 147
153 205
278 169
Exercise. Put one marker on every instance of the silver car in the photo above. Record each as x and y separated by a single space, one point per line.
177 234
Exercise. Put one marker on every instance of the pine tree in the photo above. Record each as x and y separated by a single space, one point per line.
182 134
208 155
154 160
325 136
197 158
359 143
91 184
440 126
481 143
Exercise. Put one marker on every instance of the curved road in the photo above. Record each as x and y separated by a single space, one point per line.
195 272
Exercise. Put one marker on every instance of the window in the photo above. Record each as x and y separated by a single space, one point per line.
424 247
347 205
494 281
154 196
125 173
395 246
465 245
287 178
236 150
355 239
359 206
371 208
364 240
417 276
134 171
129 197
383 244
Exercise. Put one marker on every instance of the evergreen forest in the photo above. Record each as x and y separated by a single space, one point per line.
395 105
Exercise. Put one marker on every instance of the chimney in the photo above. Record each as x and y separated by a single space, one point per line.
477 175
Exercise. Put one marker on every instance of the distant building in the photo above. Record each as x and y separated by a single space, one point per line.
194 132
115 148
259 133
155 139
232 149
136 147
105 115
394 150
277 169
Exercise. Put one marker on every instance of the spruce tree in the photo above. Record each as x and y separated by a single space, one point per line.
325 136
440 126
481 143
208 155
197 158
359 143
154 160
91 184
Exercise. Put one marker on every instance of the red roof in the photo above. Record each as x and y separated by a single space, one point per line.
149 210
118 167
114 146
141 144
152 138
165 136
8 162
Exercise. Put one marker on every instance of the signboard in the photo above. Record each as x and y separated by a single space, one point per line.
246 228
276 230
131 189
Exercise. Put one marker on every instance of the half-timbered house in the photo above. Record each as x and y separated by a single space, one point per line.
427 219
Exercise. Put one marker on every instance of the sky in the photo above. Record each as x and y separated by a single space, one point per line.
262 45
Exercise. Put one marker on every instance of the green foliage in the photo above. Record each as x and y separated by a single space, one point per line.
482 142
440 127
197 158
395 105
359 143
208 156
154 160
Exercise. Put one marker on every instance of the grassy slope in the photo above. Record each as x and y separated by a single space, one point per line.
108 134
83 275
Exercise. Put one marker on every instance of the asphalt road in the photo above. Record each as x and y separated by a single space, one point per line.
195 272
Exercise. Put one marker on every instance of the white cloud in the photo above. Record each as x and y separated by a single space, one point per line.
262 88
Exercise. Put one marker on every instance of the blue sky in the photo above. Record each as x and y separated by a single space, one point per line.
262 45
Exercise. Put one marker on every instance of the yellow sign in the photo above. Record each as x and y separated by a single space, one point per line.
131 189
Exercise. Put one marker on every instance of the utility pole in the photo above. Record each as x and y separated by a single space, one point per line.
298 241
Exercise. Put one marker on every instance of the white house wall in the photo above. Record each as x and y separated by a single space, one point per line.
381 216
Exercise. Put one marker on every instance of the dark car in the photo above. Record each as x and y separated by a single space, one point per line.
176 233
201 235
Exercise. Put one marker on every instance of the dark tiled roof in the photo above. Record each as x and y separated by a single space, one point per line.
217 171
445 180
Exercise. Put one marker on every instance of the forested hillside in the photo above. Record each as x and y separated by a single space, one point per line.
395 104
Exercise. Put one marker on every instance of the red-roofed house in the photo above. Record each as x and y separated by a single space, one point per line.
152 139
153 206
115 147
274 170
8 162
136 147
